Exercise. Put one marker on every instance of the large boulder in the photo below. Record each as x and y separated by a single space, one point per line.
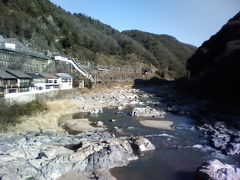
233 148
141 144
147 112
6 175
219 141
96 110
102 155
222 138
215 170
49 155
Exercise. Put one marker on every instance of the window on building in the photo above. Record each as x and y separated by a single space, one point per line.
13 81
5 82
24 89
64 80
12 90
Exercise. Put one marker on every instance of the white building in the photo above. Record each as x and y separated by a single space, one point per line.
23 80
65 81
38 82
52 81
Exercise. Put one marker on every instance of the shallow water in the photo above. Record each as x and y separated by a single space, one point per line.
175 157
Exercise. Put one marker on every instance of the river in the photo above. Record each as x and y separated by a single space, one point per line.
178 154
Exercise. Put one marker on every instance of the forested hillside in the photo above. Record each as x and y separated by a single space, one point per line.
214 68
41 24
171 55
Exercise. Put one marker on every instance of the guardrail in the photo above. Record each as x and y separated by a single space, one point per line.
25 51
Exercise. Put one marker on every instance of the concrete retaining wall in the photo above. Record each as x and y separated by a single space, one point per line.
26 97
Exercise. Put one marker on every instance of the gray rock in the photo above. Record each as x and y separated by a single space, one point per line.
215 170
173 109
97 175
104 175
236 139
220 141
222 138
6 175
9 177
120 108
46 155
147 112
95 110
233 148
141 144
117 129
105 155
99 123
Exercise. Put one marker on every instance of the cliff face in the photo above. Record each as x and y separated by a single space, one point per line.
215 67
217 49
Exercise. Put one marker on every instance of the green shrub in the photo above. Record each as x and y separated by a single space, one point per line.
88 83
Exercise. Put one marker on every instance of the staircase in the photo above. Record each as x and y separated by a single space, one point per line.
75 65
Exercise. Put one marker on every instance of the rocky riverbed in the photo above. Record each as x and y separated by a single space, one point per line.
214 169
50 155
220 130
93 150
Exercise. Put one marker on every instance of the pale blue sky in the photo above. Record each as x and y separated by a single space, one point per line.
190 21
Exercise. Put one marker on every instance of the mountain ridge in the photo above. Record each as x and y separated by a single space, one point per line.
44 25
214 68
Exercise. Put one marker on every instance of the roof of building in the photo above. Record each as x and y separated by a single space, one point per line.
63 75
35 76
48 75
5 75
18 74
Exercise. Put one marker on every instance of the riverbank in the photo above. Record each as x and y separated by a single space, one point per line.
122 118
92 101
39 147
83 101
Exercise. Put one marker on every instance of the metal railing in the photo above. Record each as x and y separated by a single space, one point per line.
75 65
18 47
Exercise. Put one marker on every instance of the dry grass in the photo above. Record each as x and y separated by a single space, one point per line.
57 108
45 120
10 115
